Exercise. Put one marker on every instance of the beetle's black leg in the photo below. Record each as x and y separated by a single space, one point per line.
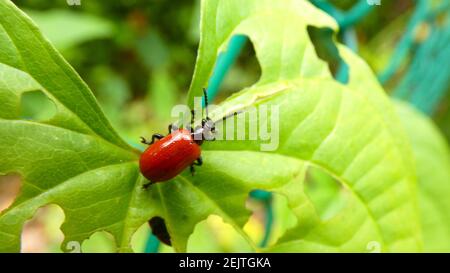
156 136
172 127
143 140
199 161
146 185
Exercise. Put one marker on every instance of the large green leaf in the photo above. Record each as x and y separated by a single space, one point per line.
78 162
75 159
433 173
350 131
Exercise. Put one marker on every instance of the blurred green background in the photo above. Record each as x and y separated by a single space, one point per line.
138 57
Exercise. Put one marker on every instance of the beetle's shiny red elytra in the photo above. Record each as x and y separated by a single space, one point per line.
169 156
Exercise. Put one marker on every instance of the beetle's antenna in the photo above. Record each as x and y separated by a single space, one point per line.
233 114
205 94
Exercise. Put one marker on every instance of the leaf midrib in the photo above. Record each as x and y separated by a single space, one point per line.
132 153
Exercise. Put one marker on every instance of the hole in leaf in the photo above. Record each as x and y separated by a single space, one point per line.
246 70
213 235
140 241
159 229
99 242
42 233
9 189
260 203
139 238
35 105
326 50
325 192
278 217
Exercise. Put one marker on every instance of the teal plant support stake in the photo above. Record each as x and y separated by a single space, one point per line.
265 198
355 14
425 94
152 244
350 40
268 221
422 12
342 73
330 9
223 64
348 18
405 43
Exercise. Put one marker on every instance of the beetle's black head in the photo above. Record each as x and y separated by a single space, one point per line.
205 132
209 125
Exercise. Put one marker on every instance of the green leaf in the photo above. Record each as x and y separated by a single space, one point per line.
432 158
76 160
350 131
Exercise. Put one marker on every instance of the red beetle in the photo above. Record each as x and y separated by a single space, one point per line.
171 154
